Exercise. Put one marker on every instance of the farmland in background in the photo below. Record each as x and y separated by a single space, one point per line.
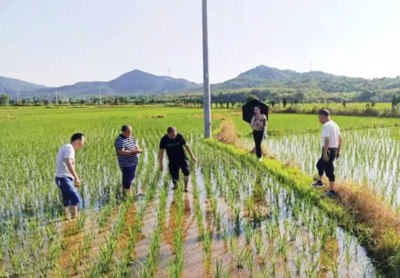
236 218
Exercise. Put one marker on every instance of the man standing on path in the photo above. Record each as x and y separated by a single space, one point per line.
128 153
66 177
174 143
331 141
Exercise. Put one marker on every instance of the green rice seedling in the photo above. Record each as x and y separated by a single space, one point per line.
75 259
62 272
238 220
225 234
242 257
249 204
248 231
274 263
173 271
122 269
54 250
207 245
258 243
106 254
298 260
218 272
87 243
17 262
233 245
282 247
218 221
81 220
51 231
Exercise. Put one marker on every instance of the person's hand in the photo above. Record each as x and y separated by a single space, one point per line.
139 150
326 159
338 155
161 166
77 182
194 159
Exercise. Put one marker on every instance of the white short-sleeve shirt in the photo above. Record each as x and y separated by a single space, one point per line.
67 151
331 131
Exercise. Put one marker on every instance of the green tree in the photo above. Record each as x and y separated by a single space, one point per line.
395 101
284 102
251 98
272 103
4 100
46 102
344 104
373 104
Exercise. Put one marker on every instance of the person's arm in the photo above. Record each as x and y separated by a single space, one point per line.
326 148
70 162
252 121
123 152
265 122
120 146
189 150
161 159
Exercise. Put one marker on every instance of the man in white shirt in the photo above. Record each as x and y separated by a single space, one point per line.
331 141
66 177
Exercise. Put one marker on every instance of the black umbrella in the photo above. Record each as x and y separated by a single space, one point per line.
248 110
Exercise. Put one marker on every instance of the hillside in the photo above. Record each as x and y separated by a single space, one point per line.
266 77
10 86
131 83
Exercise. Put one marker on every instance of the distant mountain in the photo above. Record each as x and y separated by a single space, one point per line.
266 77
131 83
11 86
138 82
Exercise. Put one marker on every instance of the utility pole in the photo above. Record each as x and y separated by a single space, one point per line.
206 83
56 97
100 96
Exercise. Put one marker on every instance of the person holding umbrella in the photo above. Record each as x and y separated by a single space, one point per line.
259 123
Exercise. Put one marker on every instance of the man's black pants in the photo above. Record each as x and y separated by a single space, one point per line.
327 166
258 137
174 168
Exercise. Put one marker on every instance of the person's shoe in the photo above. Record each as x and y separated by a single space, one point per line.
331 194
260 159
186 190
318 184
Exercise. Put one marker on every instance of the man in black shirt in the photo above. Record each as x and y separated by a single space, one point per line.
174 143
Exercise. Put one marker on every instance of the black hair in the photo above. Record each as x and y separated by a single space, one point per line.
171 129
124 128
323 112
77 136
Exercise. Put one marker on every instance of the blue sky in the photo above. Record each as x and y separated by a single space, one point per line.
56 43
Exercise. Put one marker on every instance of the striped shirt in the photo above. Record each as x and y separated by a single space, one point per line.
127 144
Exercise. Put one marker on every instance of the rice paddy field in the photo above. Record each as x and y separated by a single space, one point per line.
370 154
236 221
